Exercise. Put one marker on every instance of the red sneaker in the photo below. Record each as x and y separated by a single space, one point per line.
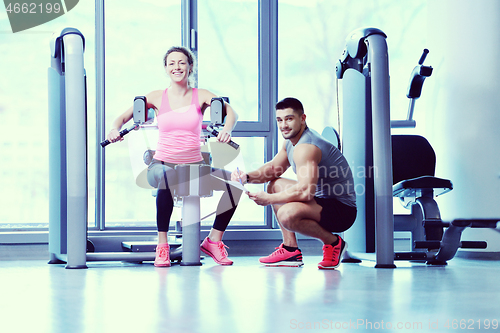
217 250
332 255
282 257
162 255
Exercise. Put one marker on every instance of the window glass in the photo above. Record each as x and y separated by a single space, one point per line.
138 34
228 53
249 158
228 66
311 38
24 138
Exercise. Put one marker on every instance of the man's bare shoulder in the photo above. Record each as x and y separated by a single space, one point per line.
306 152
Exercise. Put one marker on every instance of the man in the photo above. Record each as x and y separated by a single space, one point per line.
322 199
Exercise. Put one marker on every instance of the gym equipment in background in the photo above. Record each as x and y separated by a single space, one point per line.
364 72
386 166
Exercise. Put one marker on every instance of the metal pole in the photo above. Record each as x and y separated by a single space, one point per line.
100 115
268 82
189 29
76 151
57 156
191 220
382 150
191 230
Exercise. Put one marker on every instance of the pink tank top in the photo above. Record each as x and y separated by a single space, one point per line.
180 130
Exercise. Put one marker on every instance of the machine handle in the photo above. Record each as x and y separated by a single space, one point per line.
214 132
122 134
473 245
422 58
233 144
417 78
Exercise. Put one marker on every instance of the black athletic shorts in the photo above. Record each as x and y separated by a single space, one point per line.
335 215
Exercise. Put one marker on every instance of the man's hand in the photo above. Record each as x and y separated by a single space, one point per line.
260 198
238 175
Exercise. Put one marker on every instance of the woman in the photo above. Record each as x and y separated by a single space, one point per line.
180 110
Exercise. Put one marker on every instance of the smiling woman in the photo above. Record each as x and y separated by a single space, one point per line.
180 110
180 63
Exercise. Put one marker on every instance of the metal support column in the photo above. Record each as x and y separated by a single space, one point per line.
382 150
67 111
364 66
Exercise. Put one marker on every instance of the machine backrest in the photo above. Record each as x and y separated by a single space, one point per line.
412 157
331 135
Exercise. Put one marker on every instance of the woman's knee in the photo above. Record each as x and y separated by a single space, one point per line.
161 177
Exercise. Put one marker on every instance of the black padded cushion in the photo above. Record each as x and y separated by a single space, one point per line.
413 167
407 187
412 157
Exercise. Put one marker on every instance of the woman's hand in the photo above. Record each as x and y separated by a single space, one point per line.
114 136
224 136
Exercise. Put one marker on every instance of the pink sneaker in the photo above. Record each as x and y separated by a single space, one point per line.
162 255
216 250
332 255
282 257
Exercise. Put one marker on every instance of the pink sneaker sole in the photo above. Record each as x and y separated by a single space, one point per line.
320 266
162 265
215 259
284 264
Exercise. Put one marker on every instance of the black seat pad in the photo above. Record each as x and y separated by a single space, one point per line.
422 183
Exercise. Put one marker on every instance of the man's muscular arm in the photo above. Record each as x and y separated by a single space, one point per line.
306 158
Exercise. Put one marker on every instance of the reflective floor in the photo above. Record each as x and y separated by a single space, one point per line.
245 297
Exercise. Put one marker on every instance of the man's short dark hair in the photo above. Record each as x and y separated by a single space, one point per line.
292 103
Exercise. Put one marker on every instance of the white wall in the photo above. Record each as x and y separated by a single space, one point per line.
462 105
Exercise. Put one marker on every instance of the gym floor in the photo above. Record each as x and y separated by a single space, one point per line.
247 297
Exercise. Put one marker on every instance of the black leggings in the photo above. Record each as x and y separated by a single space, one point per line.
159 174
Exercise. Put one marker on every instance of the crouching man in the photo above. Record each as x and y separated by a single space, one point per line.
319 203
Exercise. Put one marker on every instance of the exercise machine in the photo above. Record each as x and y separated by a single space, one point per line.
190 188
68 164
364 72
385 166
68 179
67 150
415 184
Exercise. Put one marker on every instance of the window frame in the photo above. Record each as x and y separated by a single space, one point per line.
265 126
268 88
